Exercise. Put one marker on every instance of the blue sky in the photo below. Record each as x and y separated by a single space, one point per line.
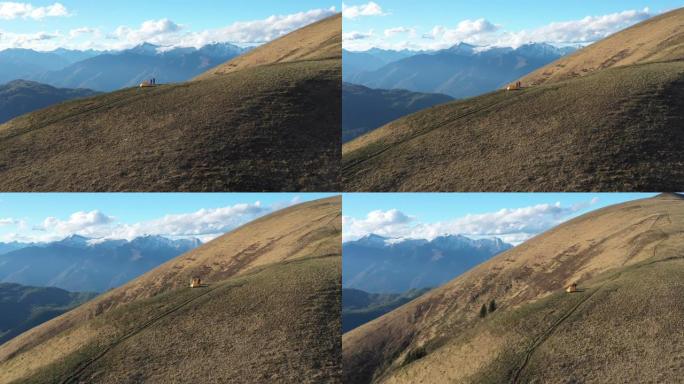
396 24
48 217
44 25
514 217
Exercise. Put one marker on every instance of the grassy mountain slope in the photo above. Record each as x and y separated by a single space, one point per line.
616 129
628 262
658 39
24 307
364 109
269 127
270 311
21 96
320 41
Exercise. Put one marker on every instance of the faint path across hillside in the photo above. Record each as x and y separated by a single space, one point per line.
428 130
74 377
128 95
539 340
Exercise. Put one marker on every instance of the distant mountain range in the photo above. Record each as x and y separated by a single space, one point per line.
24 307
364 109
360 307
377 264
19 63
20 96
354 63
460 71
112 70
77 264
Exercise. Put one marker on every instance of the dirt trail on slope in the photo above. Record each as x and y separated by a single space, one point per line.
425 132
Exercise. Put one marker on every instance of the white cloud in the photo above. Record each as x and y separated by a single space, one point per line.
472 31
465 30
369 9
12 10
585 30
81 222
84 31
511 225
28 40
356 35
399 30
205 224
153 31
169 33
384 223
256 31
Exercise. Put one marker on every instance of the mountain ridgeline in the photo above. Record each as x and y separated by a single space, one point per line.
268 120
460 71
360 307
356 62
20 63
25 307
20 96
112 70
623 323
612 127
379 265
76 264
364 109
268 310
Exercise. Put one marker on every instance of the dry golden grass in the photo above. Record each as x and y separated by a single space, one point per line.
660 38
272 127
606 251
272 307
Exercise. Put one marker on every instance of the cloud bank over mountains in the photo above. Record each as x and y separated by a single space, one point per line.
483 32
512 225
163 31
205 224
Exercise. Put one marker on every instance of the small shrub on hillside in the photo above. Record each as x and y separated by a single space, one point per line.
483 311
492 306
